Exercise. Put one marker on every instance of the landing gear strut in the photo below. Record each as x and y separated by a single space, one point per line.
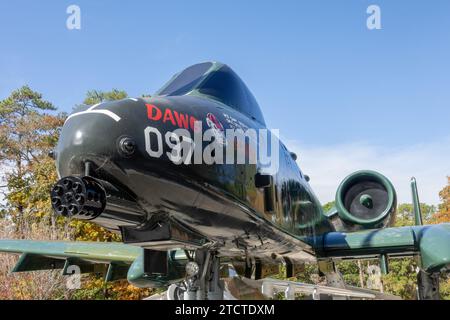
202 279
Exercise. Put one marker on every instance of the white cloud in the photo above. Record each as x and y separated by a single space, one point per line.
329 165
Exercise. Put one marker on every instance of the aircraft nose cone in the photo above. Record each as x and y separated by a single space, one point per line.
93 134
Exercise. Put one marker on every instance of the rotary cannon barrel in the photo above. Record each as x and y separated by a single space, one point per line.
89 198
78 197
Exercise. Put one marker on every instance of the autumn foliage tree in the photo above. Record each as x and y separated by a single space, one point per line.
29 129
443 215
28 132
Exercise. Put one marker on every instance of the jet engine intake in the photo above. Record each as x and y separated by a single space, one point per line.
367 200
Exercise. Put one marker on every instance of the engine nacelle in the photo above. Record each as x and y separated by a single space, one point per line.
365 200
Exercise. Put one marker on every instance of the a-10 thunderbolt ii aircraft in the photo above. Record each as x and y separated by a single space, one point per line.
159 172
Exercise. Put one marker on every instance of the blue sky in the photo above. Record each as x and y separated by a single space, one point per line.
320 76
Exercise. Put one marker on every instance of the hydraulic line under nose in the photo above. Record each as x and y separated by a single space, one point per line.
83 198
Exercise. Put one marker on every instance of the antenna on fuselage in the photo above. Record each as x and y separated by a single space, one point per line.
416 203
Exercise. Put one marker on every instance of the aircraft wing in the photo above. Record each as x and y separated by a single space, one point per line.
432 242
114 259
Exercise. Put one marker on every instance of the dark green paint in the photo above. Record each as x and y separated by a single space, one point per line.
416 203
384 263
379 221
431 242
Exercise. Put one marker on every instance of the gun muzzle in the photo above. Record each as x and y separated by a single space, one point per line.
83 198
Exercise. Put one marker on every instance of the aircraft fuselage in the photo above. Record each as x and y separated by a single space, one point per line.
220 202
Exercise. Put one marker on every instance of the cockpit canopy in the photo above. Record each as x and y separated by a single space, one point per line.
217 81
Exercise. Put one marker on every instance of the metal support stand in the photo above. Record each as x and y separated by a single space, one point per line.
384 264
428 286
333 277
